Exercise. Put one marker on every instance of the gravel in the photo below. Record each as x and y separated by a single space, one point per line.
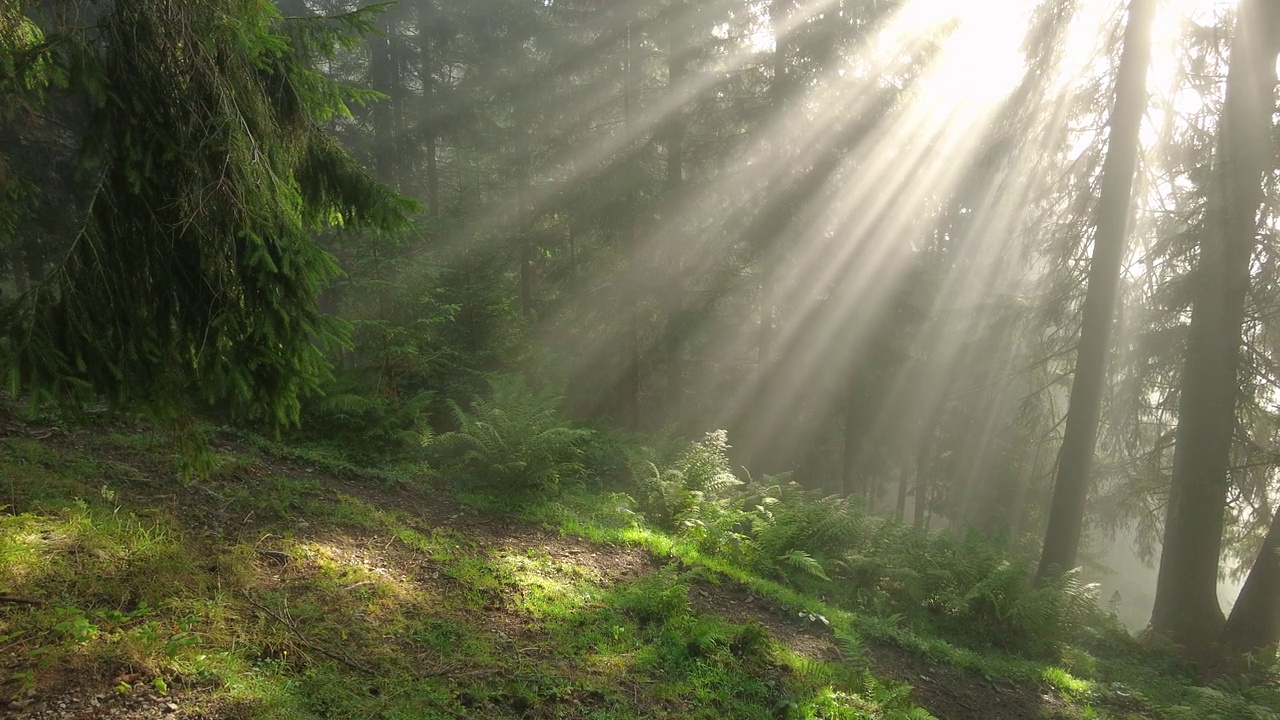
85 704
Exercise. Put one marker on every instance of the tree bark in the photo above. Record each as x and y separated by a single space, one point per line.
675 130
384 78
525 230
778 93
1255 620
1075 458
632 377
923 478
1186 604
859 415
904 484
429 36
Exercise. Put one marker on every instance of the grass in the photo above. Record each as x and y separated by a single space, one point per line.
264 593
1128 681
270 588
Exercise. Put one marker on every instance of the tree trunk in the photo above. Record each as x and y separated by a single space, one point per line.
904 484
1186 603
778 92
676 54
1075 458
768 224
525 231
428 36
858 417
383 77
632 378
1255 620
573 253
923 476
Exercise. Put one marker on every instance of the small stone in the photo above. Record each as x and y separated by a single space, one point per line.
14 705
171 707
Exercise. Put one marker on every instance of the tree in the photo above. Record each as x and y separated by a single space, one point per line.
1186 604
1254 623
192 276
1075 457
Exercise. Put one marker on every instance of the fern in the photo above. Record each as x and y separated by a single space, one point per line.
804 562
515 439
851 644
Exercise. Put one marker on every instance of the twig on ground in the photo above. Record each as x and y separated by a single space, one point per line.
302 639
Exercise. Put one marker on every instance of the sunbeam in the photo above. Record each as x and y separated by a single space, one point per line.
449 317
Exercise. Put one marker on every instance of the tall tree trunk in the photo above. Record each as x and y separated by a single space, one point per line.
904 484
429 36
924 470
769 223
383 77
1255 619
632 379
675 130
1075 458
525 230
768 274
859 416
571 241
1186 603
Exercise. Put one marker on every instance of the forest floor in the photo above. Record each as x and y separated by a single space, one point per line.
275 588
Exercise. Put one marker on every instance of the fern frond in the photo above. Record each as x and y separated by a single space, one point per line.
805 562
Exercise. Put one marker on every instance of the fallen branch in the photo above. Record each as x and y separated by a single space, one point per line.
302 639
16 600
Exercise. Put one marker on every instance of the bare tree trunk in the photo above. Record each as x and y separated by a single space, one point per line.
924 470
429 36
1186 603
904 484
675 130
383 76
1075 458
858 417
526 236
632 379
768 274
573 253
1255 619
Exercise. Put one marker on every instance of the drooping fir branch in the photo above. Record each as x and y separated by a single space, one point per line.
194 278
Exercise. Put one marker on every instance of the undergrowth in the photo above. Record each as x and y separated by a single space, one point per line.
263 594
269 590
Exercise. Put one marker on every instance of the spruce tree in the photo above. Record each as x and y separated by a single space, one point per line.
191 277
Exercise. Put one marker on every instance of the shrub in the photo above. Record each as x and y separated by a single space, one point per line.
796 530
367 425
516 439
696 496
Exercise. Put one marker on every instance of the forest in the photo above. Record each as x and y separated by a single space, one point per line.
639 359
